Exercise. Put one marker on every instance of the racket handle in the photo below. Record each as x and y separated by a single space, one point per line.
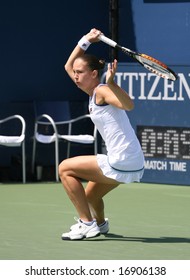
107 41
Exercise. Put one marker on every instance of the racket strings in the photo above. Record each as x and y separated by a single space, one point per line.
154 60
162 75
157 67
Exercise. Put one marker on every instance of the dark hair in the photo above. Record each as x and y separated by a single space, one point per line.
94 63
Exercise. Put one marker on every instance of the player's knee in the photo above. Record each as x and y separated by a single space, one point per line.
63 168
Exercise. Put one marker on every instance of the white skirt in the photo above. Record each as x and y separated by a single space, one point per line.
119 176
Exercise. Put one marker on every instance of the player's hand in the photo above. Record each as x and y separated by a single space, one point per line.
111 70
93 35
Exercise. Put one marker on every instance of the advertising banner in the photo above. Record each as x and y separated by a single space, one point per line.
161 120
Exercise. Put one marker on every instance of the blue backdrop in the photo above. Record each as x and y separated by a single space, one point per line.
37 37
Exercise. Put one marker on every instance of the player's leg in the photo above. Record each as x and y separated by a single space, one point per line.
95 193
70 170
83 167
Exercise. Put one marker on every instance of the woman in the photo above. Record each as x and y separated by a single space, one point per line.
124 160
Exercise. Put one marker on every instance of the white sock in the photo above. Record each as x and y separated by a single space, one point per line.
87 223
102 224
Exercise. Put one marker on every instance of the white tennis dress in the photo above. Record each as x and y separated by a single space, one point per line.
124 161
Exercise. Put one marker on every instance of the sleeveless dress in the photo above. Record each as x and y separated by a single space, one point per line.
124 161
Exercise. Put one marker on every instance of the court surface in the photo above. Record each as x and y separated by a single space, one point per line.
147 222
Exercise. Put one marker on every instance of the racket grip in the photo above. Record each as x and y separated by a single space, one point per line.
107 41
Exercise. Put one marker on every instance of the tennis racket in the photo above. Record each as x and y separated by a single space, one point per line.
155 66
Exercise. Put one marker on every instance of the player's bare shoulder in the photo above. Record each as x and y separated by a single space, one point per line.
101 93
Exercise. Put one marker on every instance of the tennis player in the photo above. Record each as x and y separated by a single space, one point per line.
124 162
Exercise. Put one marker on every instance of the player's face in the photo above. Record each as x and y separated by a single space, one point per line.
83 75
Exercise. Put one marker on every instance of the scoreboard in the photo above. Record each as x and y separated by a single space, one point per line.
165 142
161 120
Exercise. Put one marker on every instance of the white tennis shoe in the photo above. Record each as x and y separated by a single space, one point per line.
104 227
80 231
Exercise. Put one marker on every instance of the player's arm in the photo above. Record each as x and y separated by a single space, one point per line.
79 50
114 94
69 64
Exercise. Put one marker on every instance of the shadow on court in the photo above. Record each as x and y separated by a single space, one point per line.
116 237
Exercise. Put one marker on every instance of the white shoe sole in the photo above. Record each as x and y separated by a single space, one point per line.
80 237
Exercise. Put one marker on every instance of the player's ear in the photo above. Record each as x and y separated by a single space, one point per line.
94 73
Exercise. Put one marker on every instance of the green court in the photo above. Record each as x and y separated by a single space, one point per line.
147 222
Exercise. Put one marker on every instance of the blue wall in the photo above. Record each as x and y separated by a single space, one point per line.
160 28
37 37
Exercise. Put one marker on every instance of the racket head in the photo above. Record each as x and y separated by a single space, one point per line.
155 66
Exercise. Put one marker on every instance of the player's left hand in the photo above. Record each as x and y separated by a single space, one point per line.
111 70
